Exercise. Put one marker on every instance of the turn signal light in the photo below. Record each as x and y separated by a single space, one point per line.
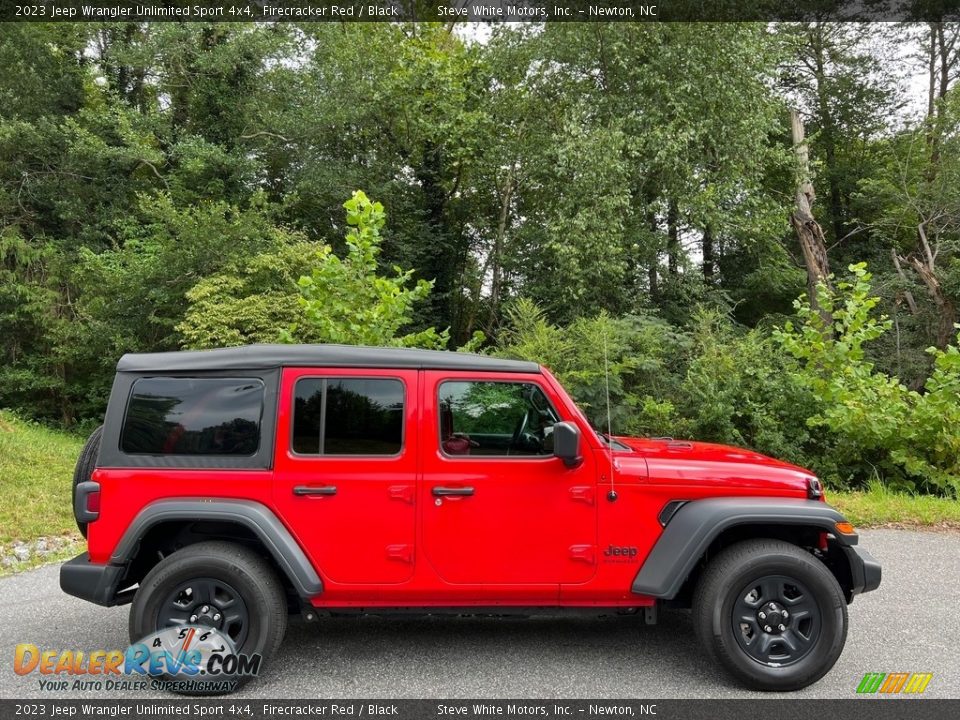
845 528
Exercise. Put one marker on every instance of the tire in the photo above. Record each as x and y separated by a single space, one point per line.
86 464
226 564
739 584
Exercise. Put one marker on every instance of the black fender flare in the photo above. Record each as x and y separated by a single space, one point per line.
254 516
696 524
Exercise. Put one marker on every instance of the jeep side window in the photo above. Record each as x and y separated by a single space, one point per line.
495 419
193 416
348 416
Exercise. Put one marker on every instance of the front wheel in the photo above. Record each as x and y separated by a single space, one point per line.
771 614
211 585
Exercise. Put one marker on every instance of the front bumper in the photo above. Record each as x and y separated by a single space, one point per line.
91 581
865 571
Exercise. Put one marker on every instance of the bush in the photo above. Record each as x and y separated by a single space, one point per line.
740 390
878 427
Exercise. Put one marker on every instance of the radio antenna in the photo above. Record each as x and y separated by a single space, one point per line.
612 495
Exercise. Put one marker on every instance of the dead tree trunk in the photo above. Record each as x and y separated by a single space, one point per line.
946 314
927 270
809 232
908 296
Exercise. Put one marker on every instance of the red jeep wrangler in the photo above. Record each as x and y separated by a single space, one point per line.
228 488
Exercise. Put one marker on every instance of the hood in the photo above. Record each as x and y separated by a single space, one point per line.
687 462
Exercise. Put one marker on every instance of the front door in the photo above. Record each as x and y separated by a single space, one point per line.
498 508
345 470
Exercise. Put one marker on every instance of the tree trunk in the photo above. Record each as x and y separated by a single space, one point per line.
673 238
653 271
496 279
946 313
708 256
911 303
828 138
809 232
932 71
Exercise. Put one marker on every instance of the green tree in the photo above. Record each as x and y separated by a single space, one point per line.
301 291
345 301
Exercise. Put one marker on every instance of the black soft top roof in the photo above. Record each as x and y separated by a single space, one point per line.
256 357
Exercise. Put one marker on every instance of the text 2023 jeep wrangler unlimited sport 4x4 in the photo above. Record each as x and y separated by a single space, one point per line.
230 487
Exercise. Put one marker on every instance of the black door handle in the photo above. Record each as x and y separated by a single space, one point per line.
312 490
440 491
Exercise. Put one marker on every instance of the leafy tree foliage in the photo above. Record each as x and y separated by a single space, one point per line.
345 301
588 195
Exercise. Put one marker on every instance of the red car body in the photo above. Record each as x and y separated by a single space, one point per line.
535 534
330 478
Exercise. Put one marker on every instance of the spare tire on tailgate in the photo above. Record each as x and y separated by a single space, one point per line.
86 464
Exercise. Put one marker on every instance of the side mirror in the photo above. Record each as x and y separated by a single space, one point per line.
566 443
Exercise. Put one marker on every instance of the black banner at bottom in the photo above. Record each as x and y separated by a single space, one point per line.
874 708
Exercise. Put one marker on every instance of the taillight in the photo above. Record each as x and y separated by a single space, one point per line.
93 502
86 502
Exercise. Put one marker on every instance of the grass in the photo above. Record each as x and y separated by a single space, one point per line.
879 507
36 475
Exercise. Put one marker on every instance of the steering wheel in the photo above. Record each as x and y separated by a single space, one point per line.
518 432
527 440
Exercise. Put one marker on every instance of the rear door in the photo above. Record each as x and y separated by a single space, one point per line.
345 470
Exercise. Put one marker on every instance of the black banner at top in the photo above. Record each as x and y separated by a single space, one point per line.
490 11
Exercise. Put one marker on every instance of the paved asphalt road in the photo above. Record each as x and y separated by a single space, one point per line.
912 624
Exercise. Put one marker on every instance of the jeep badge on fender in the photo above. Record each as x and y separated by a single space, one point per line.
229 488
621 553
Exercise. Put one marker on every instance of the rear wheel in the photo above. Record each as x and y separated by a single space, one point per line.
86 464
217 585
771 614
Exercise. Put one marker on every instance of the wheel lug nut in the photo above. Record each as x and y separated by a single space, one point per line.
193 618
782 627
768 628
217 616
763 615
785 614
204 608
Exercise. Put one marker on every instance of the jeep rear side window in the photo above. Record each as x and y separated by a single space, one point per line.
348 416
193 416
495 419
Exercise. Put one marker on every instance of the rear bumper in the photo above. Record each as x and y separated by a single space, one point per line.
90 581
865 572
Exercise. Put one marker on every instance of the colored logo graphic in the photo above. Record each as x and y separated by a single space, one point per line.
184 658
894 683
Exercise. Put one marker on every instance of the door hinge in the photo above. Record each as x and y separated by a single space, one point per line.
402 492
582 493
403 553
584 553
